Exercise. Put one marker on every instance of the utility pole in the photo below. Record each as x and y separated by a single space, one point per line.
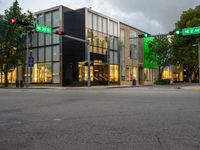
87 46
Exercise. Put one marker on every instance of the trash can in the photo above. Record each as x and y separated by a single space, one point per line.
21 83
134 82
17 83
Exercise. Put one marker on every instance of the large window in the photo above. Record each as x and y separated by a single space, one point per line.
90 20
55 37
48 19
56 72
133 45
105 24
95 22
41 55
114 73
48 39
48 72
100 25
41 39
48 54
56 53
56 18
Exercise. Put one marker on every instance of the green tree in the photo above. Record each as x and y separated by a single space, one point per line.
161 48
183 50
12 40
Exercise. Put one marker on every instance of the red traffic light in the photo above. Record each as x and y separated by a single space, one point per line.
60 32
13 20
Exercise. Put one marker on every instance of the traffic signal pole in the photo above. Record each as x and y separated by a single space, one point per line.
199 60
27 52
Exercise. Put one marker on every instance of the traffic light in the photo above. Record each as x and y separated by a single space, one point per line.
59 32
145 35
175 32
13 20
19 22
178 32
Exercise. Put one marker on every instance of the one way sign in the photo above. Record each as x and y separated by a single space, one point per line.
30 61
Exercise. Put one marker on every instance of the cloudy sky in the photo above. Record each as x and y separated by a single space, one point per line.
153 16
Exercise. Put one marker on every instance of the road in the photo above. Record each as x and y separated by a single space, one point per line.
144 118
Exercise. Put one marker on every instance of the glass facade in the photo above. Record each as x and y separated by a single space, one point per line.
46 50
133 45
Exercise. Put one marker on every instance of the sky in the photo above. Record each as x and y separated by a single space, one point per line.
152 16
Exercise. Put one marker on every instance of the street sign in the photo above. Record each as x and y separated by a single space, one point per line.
44 29
30 61
190 31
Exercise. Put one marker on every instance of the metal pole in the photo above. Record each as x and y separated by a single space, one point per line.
88 61
27 50
199 60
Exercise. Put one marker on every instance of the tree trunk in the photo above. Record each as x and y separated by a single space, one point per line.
6 79
160 73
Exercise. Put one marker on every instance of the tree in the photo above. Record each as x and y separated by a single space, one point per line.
183 50
161 48
12 41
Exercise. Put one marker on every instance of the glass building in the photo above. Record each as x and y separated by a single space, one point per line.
115 55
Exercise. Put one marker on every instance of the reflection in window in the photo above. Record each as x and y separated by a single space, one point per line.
55 37
34 39
41 54
115 29
100 25
48 19
56 72
90 36
41 19
56 18
95 22
105 25
111 41
111 28
114 73
40 71
48 72
115 43
34 74
41 39
90 20
48 53
48 39
56 53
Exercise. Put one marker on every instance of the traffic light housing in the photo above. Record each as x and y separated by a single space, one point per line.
59 32
175 32
19 22
145 35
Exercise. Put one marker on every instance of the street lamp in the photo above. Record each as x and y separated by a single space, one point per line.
198 57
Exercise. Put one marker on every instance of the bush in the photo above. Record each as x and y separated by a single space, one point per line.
162 81
195 81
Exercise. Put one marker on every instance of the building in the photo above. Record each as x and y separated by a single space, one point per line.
117 57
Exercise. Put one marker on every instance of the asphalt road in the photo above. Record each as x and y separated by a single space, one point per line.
100 119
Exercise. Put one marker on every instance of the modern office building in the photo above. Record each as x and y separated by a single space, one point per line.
116 55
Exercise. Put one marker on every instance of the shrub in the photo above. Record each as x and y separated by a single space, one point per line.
162 81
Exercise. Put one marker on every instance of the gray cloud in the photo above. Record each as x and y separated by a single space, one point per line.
152 14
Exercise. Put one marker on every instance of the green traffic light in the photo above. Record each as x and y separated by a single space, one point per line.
145 35
178 32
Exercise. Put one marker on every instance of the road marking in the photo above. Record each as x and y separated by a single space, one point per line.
57 119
